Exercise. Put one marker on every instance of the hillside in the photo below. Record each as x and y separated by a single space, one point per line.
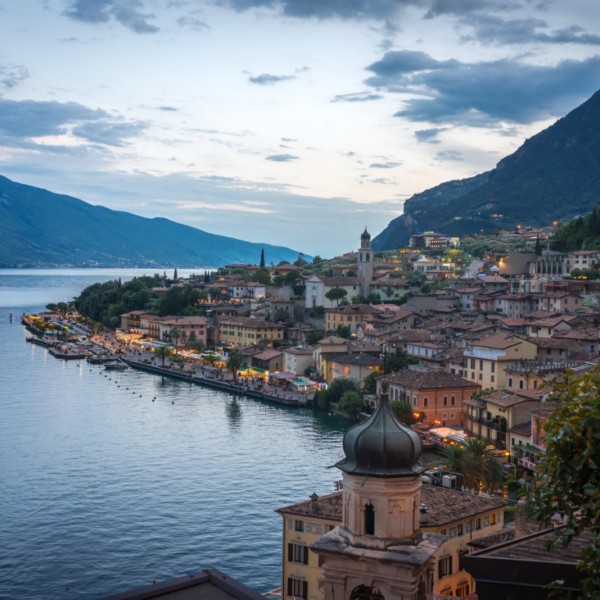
42 229
555 175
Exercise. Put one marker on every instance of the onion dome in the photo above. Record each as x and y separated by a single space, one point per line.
381 446
365 235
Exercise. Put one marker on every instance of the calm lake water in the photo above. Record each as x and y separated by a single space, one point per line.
103 489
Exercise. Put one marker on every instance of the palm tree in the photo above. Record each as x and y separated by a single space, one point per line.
162 352
235 362
175 334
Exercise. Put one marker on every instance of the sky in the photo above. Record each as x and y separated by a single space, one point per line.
290 122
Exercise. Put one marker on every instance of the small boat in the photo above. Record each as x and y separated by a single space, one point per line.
115 365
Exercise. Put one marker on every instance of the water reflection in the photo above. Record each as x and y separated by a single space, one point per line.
234 413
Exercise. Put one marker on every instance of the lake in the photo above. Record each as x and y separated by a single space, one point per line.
109 480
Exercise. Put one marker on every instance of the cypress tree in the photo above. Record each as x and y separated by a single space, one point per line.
262 258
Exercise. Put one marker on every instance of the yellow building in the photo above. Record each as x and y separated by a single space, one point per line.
459 516
349 315
484 362
245 331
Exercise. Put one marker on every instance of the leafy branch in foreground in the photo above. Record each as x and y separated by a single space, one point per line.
568 478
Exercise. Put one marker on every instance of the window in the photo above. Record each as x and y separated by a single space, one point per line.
299 525
477 524
445 566
298 588
521 384
452 400
510 382
425 402
298 553
459 529
480 364
445 400
369 519
493 367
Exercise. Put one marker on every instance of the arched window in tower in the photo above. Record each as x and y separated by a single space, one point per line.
364 592
369 519
367 258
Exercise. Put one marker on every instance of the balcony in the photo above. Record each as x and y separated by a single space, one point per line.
527 463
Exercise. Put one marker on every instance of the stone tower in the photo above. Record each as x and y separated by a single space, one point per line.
365 264
379 551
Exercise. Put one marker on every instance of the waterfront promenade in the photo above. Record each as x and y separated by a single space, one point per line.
196 373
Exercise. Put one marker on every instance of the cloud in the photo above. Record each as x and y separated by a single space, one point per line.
282 157
109 132
191 21
466 7
267 79
429 135
484 93
385 165
168 108
30 118
445 155
357 97
490 29
125 12
327 9
11 76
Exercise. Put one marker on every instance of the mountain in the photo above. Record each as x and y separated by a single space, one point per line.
42 229
555 175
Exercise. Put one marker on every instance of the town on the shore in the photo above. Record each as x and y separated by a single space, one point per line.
465 353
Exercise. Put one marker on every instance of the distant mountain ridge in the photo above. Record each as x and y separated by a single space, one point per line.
41 229
554 175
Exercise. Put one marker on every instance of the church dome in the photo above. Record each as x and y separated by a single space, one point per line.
381 446
365 235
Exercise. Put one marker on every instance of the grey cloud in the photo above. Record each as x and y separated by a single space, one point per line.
357 97
288 139
109 133
429 135
462 7
482 94
445 155
168 108
327 9
192 22
125 12
11 76
281 157
385 165
30 118
267 79
492 29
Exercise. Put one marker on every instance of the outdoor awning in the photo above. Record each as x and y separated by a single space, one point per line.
283 375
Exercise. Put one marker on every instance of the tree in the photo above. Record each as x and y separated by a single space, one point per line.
403 412
175 278
335 294
351 403
370 383
567 480
397 361
262 259
235 362
175 334
162 352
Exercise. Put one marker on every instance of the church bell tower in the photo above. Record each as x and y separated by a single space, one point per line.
365 264
379 551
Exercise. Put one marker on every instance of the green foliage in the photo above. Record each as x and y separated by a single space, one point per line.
316 312
314 336
335 391
370 383
476 464
262 258
583 232
397 361
343 331
403 412
351 403
263 276
336 294
235 362
568 477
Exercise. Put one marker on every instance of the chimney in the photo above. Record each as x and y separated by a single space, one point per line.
314 504
521 518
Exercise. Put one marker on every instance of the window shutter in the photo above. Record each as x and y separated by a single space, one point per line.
289 586
305 555
305 589
290 552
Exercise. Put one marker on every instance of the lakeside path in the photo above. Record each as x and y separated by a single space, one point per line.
199 374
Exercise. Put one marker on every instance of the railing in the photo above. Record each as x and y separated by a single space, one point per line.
528 464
